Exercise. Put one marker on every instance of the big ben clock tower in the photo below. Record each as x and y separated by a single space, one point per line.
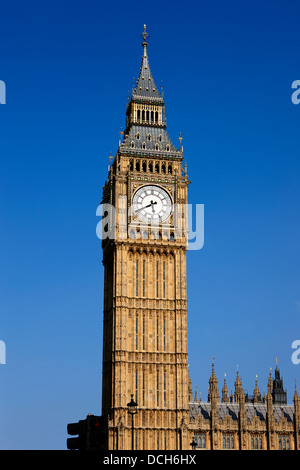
145 351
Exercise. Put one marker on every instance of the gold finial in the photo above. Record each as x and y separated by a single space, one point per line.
110 157
145 35
121 133
180 140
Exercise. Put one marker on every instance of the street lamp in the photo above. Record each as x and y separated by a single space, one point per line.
132 410
193 444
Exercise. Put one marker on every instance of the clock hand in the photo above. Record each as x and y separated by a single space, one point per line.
145 207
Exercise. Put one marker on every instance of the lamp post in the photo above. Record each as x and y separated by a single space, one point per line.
193 444
132 410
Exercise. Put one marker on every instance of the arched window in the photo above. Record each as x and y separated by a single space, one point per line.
144 145
156 168
151 167
144 166
152 116
131 165
143 115
137 166
156 116
170 169
147 116
132 144
163 168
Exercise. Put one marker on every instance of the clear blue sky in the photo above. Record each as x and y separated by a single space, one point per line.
227 69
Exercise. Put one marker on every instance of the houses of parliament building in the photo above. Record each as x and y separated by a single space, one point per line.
145 354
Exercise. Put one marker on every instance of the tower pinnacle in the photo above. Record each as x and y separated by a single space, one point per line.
145 35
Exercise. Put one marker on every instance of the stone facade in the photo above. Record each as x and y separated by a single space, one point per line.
145 351
145 304
240 422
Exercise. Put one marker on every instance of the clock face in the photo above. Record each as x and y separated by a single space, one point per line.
152 204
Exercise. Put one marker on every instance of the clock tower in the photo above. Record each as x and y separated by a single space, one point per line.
145 303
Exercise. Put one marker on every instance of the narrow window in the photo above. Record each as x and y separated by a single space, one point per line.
143 333
164 279
164 389
143 401
136 332
157 334
157 388
136 386
156 278
144 269
137 278
164 333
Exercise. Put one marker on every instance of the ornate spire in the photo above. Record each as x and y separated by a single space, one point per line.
145 87
225 398
256 393
213 392
278 392
296 396
238 388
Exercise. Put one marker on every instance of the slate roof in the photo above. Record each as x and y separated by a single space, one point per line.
154 139
252 409
145 87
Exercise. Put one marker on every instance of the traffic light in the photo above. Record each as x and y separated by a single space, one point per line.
95 432
90 432
75 429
